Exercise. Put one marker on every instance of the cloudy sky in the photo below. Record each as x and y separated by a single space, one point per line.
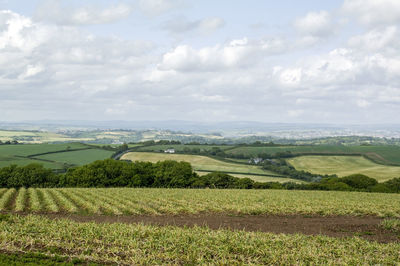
335 61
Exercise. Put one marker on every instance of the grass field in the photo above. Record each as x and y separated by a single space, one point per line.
77 157
198 162
381 154
52 156
134 201
138 244
344 165
180 147
36 136
259 178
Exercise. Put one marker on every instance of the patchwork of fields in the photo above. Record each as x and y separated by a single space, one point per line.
54 156
344 166
200 163
133 201
389 155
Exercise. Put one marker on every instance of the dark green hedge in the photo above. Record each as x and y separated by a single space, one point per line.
169 174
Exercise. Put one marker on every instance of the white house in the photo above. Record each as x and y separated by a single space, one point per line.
169 151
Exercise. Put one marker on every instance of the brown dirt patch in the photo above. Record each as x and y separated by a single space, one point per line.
367 227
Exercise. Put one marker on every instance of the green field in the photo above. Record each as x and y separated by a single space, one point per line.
344 165
181 147
77 157
261 178
54 156
138 244
389 155
198 162
133 201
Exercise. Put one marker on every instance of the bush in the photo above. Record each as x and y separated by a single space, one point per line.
381 188
359 181
393 185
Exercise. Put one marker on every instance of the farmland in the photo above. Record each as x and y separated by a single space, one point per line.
131 244
344 166
54 156
260 178
200 163
131 201
388 155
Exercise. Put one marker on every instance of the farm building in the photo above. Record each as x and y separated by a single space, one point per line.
169 151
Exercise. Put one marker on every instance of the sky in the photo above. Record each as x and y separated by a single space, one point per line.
307 61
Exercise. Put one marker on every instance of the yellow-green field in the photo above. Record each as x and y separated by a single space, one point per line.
134 201
139 244
344 165
261 178
198 162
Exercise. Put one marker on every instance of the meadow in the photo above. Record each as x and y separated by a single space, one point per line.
181 147
133 244
388 155
260 178
54 156
134 201
344 166
200 163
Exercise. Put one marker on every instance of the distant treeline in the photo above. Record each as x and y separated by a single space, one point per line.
8 142
169 174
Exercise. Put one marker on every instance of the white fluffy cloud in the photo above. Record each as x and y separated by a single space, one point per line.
56 70
315 24
373 12
236 53
54 11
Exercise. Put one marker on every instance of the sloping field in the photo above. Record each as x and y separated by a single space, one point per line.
381 154
50 155
181 147
135 201
198 162
344 165
77 157
261 178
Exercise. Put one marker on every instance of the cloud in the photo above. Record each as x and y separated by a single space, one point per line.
182 25
158 7
53 11
236 53
373 12
59 71
315 24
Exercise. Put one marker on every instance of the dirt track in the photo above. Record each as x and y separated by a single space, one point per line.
334 226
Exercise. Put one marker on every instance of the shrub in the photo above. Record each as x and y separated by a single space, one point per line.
359 181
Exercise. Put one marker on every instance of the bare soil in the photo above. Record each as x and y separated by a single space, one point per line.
367 227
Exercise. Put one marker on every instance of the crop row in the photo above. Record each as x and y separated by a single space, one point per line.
138 244
134 201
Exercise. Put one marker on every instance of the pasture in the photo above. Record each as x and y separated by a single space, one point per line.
389 155
134 201
261 178
198 162
344 166
54 156
181 147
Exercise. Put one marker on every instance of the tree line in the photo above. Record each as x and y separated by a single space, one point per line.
169 174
